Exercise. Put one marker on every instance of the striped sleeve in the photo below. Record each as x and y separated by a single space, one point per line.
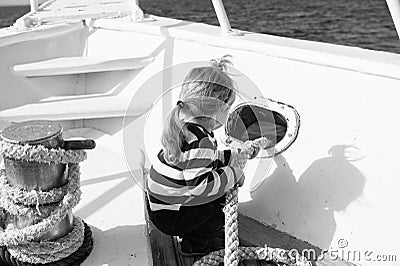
224 157
204 169
203 173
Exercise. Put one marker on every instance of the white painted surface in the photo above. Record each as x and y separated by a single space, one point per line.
112 203
137 12
34 5
27 47
394 8
70 10
74 107
60 97
339 179
8 36
221 15
79 65
323 54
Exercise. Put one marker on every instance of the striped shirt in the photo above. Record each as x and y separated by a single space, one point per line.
202 175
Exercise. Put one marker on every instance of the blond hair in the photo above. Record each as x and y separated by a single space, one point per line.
205 91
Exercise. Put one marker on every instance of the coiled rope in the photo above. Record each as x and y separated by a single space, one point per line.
232 253
48 208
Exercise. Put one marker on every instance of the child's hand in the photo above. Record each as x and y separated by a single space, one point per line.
253 147
238 159
253 152
250 149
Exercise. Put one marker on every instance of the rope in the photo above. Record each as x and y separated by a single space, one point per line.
41 154
49 251
232 253
231 229
48 208
75 258
19 241
33 197
22 236
17 201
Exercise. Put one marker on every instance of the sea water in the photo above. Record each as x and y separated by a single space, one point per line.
361 23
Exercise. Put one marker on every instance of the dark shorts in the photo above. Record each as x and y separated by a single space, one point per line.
201 223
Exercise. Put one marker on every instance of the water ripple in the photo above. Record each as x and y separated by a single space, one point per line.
360 23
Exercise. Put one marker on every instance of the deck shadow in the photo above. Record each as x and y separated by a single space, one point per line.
105 198
119 246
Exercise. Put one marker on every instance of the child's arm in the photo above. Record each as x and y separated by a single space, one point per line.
249 150
238 159
224 158
232 157
200 173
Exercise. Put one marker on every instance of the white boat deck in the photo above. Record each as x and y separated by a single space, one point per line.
112 204
335 185
80 65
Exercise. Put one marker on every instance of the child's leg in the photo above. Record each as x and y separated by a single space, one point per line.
204 227
207 237
209 230
197 225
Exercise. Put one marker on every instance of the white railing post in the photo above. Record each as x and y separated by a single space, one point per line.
34 5
394 8
137 12
26 21
221 15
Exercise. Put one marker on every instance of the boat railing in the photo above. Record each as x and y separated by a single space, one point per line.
394 8
34 5
137 14
223 17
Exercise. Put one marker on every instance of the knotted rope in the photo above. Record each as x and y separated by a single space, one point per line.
41 154
50 251
48 208
231 228
232 253
13 236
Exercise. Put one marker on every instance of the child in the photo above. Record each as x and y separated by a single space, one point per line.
188 182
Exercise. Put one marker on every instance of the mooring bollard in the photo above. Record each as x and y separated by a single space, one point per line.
39 186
